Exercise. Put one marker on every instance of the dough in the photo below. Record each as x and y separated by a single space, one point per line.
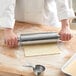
41 49
71 68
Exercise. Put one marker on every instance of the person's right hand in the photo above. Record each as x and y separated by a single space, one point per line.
10 38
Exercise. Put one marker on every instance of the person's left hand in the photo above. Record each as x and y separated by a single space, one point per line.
65 34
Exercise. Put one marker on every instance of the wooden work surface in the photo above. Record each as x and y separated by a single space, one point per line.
53 63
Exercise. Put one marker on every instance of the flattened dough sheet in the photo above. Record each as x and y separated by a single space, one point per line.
41 49
71 68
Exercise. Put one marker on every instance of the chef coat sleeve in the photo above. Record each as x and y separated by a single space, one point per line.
64 9
7 17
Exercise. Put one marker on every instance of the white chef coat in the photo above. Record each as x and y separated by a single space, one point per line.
47 12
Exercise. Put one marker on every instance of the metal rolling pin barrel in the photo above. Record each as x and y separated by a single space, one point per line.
37 38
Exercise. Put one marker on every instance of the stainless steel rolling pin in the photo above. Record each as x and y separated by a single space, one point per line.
37 38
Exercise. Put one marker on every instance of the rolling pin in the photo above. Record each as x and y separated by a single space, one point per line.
37 38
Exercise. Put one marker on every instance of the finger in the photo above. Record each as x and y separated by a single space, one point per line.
10 43
62 37
16 42
13 43
65 37
7 43
69 36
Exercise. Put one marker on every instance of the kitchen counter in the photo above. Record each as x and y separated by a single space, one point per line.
53 63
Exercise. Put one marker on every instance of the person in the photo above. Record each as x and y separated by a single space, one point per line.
47 12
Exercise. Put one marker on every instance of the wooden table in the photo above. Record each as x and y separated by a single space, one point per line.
53 63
